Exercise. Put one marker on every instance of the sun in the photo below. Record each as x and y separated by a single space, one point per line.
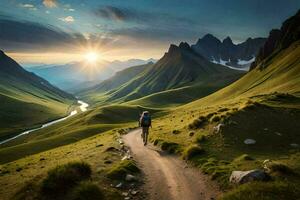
92 57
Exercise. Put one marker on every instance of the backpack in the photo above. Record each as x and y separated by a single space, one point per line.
146 121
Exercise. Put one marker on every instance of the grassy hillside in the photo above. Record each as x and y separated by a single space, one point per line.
75 128
29 173
264 106
179 96
121 77
26 99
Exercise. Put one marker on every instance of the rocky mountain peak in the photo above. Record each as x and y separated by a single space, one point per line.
184 45
208 38
227 41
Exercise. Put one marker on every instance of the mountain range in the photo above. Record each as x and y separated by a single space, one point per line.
227 53
27 99
180 67
79 75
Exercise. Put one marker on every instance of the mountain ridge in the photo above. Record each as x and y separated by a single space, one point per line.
180 66
226 52
27 99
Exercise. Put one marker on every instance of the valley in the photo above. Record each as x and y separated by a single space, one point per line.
218 109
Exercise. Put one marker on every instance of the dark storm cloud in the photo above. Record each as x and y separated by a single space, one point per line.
29 36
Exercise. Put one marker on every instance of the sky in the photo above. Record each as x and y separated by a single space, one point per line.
61 31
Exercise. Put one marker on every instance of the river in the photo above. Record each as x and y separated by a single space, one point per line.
83 107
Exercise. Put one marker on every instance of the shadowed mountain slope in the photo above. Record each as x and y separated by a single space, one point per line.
27 99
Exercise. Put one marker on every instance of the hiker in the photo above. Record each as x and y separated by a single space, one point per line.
145 123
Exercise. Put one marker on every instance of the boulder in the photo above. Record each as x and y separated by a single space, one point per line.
241 177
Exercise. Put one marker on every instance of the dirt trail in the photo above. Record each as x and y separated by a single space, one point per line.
167 177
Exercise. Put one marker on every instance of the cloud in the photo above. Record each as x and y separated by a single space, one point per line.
50 3
28 6
145 25
113 13
140 17
25 36
68 19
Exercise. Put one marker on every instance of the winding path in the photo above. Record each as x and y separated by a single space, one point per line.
167 177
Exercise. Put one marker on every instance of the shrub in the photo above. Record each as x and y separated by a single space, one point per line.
216 118
201 139
192 151
170 147
280 168
63 177
223 109
198 123
120 170
210 115
157 141
262 190
86 191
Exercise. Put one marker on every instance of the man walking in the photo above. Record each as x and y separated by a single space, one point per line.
145 123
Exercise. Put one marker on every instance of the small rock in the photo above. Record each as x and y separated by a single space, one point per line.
266 129
126 198
127 157
121 141
277 133
134 192
241 177
249 141
125 194
119 185
294 145
130 177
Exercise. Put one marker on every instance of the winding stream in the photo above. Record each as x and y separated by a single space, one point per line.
83 107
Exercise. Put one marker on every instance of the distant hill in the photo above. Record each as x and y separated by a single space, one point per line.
27 99
76 76
181 66
116 81
227 53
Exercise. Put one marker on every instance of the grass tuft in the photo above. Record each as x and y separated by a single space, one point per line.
276 167
120 170
86 191
192 151
170 147
263 191
198 123
63 177
201 138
